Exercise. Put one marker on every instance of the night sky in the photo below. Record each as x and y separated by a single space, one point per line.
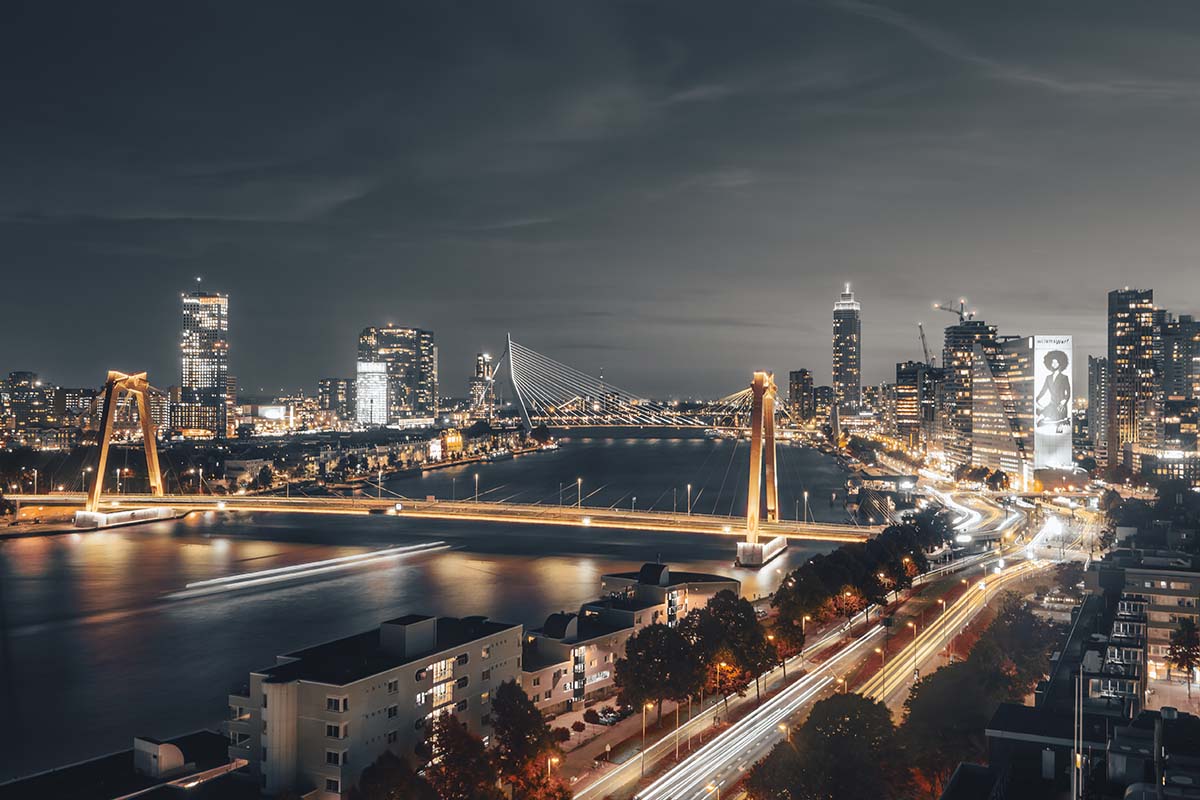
672 192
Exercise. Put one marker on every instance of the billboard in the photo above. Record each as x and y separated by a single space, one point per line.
1052 364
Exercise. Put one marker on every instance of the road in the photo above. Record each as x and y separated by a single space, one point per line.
726 759
480 511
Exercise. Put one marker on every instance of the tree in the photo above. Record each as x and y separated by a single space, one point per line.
846 749
741 634
461 768
523 741
659 664
1184 650
945 716
390 778
263 479
591 717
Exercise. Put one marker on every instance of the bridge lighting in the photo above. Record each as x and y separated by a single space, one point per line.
587 520
220 505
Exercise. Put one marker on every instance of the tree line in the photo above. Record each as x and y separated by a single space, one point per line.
723 648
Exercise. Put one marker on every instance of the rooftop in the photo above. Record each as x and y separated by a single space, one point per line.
113 775
344 661
662 575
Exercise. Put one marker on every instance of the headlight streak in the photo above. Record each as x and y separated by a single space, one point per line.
231 583
691 776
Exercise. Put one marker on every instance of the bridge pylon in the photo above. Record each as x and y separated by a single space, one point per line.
762 454
138 387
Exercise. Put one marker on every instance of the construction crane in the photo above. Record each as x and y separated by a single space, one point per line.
963 314
924 344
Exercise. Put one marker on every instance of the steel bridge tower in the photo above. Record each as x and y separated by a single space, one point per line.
139 388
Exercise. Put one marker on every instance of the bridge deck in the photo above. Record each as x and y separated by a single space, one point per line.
483 512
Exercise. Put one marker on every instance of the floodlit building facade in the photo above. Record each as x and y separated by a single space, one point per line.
372 391
311 723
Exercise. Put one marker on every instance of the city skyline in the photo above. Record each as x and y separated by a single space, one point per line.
570 213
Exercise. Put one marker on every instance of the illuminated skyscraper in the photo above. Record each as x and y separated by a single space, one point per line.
1134 369
482 386
411 359
1098 407
1181 357
336 395
958 355
800 394
847 346
204 374
372 393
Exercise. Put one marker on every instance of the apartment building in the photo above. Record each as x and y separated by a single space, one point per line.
570 660
1162 585
312 722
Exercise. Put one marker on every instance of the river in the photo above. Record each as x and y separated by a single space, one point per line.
94 653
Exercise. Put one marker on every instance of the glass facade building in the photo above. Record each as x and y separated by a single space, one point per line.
204 366
411 359
847 351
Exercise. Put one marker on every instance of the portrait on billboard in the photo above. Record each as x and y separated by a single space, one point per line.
1052 402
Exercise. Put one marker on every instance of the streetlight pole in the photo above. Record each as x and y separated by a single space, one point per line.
689 499
806 505
942 620
579 492
560 494
913 625
35 486
476 487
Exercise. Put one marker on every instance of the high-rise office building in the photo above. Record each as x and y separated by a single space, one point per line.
823 402
204 367
847 351
1134 369
1181 356
372 393
483 388
800 394
30 402
411 359
1021 405
1097 413
958 356
336 395
916 401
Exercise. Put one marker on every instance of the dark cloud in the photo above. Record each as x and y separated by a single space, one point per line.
684 185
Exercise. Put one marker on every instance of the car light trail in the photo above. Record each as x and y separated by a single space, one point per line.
689 778
298 571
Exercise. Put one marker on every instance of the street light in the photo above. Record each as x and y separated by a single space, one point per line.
782 660
913 625
579 492
645 708
806 505
35 486
714 787
550 761
476 487
942 618
689 503
786 730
